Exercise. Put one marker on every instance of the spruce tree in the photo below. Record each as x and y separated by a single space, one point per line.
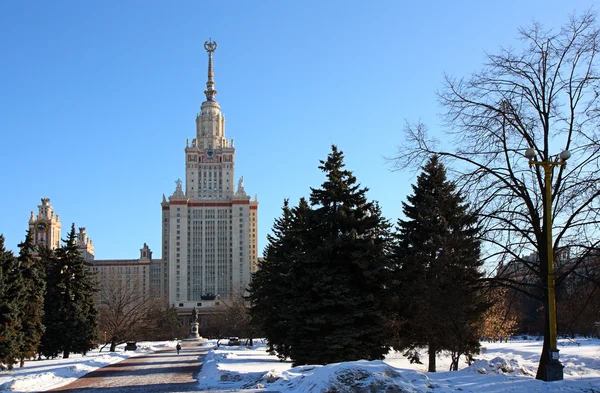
268 285
439 274
71 312
80 287
34 287
53 316
11 304
270 290
339 274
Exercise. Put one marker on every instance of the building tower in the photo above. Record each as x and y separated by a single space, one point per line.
84 243
209 231
46 226
46 231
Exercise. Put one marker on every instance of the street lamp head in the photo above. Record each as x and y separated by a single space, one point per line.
565 155
530 153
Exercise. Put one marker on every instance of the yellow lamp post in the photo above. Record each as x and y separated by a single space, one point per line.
554 369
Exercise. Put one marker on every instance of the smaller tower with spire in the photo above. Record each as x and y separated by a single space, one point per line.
84 243
46 226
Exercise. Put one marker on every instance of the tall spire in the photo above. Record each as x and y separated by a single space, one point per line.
210 92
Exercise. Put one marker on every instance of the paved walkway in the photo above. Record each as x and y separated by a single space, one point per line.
161 371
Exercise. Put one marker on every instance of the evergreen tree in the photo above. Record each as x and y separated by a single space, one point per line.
339 273
34 287
11 303
265 288
71 314
270 289
439 273
50 344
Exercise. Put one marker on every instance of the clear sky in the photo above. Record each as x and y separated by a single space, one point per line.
97 98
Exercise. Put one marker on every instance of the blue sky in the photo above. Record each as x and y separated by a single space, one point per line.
99 97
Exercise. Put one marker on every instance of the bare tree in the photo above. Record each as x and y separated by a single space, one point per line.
232 318
124 309
544 96
577 300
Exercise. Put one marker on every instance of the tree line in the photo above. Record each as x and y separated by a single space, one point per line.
339 283
52 303
47 302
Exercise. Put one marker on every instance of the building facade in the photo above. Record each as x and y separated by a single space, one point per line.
209 229
131 274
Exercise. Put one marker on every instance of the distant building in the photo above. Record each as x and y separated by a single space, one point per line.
46 231
142 272
209 230
519 268
45 227
129 273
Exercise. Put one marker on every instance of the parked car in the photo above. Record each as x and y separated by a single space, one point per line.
131 346
233 341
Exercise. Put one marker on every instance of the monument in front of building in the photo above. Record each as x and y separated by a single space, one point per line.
194 334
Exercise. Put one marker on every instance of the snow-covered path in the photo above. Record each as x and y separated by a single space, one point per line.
162 371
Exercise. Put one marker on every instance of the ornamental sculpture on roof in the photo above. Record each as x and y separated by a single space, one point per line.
210 91
210 45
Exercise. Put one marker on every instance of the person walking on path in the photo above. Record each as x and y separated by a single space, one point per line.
178 348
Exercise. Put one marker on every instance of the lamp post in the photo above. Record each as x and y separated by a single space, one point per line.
554 369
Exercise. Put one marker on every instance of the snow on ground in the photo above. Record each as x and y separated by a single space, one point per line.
41 375
504 367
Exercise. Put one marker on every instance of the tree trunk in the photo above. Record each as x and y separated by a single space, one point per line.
454 356
66 354
113 345
22 362
432 353
545 356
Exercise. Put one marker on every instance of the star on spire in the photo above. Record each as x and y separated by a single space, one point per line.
210 91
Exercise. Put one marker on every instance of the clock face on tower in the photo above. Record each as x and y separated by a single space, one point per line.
41 226
210 153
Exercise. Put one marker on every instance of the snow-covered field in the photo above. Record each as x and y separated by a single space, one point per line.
41 375
504 367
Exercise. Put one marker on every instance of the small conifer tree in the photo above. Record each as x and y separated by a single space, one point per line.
71 317
11 305
439 295
34 287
